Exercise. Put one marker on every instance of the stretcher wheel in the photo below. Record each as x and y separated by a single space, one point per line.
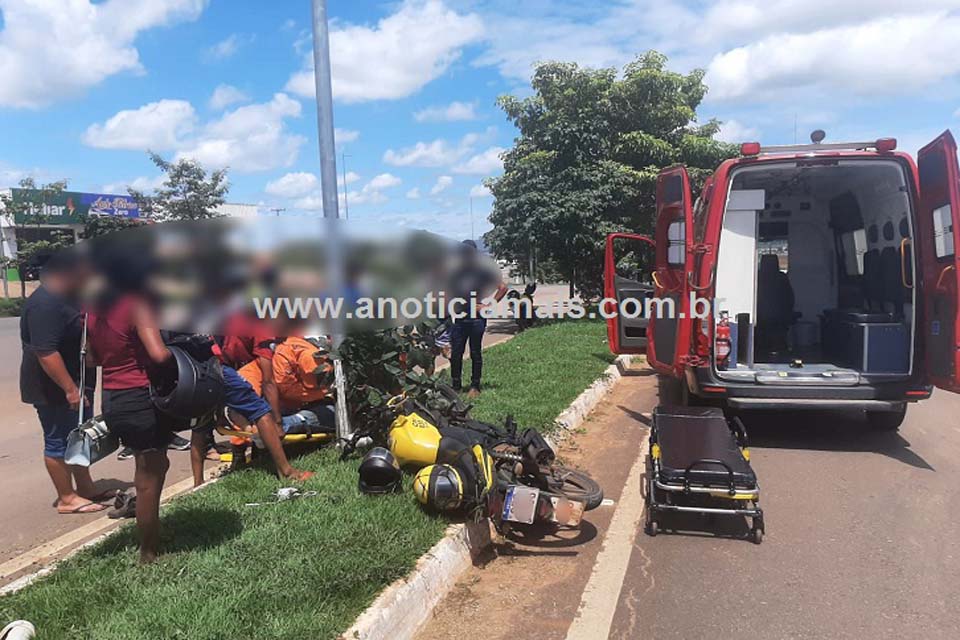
757 536
652 528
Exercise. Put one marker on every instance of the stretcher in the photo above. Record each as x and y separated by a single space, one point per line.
241 439
699 462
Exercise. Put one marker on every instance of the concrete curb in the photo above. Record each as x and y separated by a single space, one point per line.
401 610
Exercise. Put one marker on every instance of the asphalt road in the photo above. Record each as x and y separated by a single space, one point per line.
861 541
862 532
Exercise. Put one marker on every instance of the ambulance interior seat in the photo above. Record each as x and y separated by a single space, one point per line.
775 305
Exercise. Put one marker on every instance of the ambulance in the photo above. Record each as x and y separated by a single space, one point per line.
829 269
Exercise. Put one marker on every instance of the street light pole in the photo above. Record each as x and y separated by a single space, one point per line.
328 186
473 236
343 167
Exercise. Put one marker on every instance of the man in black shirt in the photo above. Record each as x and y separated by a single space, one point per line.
50 331
470 282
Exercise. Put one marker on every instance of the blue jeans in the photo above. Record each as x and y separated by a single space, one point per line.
57 423
463 331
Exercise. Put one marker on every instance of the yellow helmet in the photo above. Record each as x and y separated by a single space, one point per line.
439 486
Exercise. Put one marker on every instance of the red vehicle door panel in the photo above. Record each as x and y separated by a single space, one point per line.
938 225
668 329
627 332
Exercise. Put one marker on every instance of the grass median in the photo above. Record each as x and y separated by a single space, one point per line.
304 568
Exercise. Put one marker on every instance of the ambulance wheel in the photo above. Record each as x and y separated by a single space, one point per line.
887 420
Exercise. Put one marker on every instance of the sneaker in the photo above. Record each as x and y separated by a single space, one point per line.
125 454
179 443
473 393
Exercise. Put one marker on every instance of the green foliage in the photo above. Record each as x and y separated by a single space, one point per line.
96 226
189 192
10 307
380 365
586 162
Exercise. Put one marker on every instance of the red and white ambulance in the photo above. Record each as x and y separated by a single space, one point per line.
831 272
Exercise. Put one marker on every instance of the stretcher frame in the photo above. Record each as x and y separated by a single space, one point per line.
730 500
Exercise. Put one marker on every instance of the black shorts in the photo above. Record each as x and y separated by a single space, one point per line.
131 416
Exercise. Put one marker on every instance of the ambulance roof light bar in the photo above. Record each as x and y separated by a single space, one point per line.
755 149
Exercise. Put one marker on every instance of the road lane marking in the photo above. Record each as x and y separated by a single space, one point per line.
602 593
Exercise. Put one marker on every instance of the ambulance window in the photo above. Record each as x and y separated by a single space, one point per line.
854 246
676 245
943 231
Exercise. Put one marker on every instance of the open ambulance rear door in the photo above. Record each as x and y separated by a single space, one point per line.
626 324
938 222
669 325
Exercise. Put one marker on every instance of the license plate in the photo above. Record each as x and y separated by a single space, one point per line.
520 504
566 512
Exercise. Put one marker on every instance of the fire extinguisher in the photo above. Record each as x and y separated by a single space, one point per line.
722 341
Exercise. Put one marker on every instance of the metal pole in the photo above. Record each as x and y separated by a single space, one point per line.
346 205
473 236
328 185
324 84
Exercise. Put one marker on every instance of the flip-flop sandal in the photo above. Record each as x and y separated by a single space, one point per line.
104 496
83 509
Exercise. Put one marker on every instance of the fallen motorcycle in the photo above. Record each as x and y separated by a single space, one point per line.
510 474
524 311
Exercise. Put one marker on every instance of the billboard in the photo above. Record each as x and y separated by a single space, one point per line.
71 207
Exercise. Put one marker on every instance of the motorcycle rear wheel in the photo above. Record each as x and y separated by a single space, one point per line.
575 485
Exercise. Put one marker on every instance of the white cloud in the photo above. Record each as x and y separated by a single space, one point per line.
228 47
293 185
142 183
882 56
485 163
396 57
413 194
351 177
383 181
736 132
249 139
226 95
159 126
443 183
56 49
453 112
438 153
345 135
480 191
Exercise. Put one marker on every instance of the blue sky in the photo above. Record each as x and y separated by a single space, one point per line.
87 86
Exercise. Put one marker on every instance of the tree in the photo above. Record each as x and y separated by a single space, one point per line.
32 211
586 161
188 193
97 226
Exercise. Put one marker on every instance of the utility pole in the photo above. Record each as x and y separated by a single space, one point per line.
472 234
343 166
331 211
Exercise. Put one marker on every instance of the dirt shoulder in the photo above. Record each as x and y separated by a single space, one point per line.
531 588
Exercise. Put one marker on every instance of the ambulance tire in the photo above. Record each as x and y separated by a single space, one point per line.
887 420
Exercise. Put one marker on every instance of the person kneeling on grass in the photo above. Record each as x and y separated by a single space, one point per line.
243 400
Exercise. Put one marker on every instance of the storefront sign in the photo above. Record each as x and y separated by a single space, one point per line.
70 207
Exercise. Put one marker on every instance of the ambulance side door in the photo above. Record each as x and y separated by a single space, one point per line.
625 290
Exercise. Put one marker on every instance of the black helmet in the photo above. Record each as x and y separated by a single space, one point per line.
197 391
379 472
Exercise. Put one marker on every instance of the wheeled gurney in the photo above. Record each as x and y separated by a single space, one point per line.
699 463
